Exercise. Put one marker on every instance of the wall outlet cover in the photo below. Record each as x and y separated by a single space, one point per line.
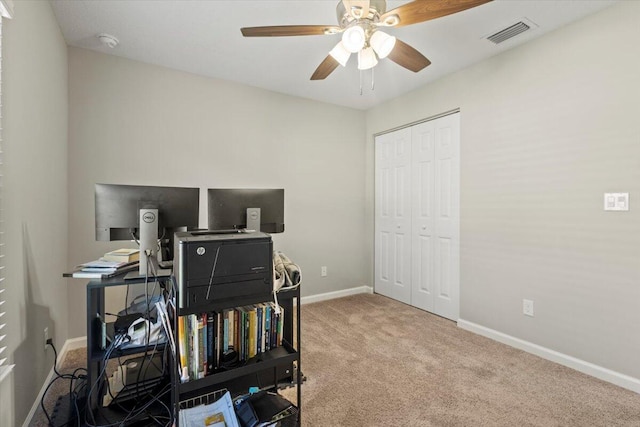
527 307
616 201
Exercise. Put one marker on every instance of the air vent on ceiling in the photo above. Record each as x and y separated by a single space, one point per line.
509 32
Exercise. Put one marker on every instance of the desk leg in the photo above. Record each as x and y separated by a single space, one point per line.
95 306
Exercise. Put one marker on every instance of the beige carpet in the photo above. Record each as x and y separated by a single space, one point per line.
371 361
73 359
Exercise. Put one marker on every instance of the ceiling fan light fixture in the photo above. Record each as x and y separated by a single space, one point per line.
340 54
382 43
367 59
354 38
391 21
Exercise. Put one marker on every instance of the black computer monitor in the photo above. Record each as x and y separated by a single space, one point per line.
237 208
147 214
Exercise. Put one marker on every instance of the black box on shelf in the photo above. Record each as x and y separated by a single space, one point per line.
211 266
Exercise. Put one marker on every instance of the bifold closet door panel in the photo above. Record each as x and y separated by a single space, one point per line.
447 217
435 216
422 210
393 215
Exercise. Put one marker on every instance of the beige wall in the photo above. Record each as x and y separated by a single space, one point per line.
133 123
35 195
546 129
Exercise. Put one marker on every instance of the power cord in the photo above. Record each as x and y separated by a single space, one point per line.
73 392
144 398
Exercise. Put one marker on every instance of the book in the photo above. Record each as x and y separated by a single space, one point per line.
202 342
225 331
123 255
232 331
211 342
267 327
219 331
259 348
192 325
280 327
253 332
182 348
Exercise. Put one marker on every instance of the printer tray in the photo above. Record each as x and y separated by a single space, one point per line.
201 294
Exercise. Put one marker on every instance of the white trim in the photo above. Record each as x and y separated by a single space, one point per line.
73 344
6 8
417 122
69 345
336 294
5 371
613 377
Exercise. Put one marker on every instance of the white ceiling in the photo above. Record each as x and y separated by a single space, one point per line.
203 37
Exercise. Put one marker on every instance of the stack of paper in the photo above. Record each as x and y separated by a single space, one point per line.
219 413
101 269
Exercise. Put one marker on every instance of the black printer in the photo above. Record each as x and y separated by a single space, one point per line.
214 266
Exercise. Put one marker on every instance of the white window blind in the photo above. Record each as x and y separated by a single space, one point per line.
6 11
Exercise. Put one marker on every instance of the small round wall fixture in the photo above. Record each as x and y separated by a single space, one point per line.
108 40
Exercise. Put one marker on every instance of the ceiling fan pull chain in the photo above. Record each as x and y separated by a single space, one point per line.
360 82
373 78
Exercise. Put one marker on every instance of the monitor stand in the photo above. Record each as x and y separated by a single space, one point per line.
253 219
148 240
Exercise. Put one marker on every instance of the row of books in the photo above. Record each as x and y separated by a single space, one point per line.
209 342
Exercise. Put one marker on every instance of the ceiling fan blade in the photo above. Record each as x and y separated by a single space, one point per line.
325 68
290 30
407 57
357 8
425 10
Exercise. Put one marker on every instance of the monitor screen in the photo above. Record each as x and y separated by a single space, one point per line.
118 207
228 208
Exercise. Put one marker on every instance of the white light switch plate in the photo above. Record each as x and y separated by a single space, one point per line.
616 201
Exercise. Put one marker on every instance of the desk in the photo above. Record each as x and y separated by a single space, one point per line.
276 367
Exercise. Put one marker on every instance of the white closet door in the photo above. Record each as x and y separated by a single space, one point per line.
423 220
435 216
417 215
393 215
447 218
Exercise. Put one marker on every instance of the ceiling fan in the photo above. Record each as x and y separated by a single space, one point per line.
360 22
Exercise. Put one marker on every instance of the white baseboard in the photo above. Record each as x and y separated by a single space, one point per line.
73 344
69 345
613 377
336 294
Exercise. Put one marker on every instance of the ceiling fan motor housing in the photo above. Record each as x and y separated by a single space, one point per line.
348 17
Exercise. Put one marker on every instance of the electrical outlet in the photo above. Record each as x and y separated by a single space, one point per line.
46 337
527 307
323 271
